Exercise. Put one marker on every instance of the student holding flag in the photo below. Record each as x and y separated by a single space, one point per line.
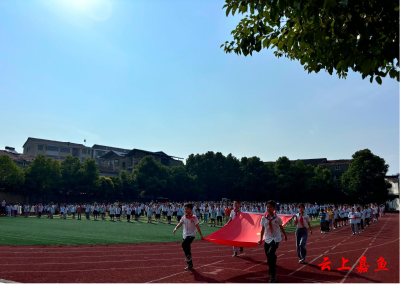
272 226
302 221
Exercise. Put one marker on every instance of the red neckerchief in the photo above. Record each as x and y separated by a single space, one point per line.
270 220
237 212
189 216
301 220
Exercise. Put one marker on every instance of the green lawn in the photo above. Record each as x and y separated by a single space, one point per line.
33 231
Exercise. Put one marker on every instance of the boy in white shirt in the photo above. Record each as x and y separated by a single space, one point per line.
272 226
302 221
235 213
353 222
190 226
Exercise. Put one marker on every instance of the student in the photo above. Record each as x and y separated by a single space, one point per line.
212 216
149 214
302 221
205 214
342 214
346 215
353 222
336 217
190 227
235 213
128 212
272 227
96 211
79 211
169 214
322 218
118 213
368 215
112 212
87 211
219 215
227 212
158 213
359 219
179 214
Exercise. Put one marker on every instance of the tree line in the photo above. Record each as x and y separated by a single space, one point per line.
209 176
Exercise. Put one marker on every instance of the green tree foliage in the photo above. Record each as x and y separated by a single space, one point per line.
70 172
43 177
105 189
11 176
152 177
364 181
88 178
331 35
129 185
182 185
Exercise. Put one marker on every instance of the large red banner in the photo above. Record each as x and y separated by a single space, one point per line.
243 231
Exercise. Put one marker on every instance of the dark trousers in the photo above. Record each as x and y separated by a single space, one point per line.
367 221
186 247
79 215
301 240
270 250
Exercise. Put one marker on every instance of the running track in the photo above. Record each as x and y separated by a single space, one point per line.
163 262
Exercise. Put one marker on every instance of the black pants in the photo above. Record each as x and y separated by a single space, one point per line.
186 247
270 250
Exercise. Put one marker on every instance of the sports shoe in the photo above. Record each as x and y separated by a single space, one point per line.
302 261
189 267
188 258
235 254
273 280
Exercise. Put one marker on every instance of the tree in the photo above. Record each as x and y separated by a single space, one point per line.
152 177
42 177
182 184
117 190
326 35
11 176
129 185
70 167
105 188
88 176
364 181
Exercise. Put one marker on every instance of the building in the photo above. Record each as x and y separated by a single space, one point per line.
117 161
56 149
100 150
337 168
394 191
21 160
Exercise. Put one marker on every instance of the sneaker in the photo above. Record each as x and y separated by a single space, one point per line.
302 261
189 267
273 280
188 258
235 254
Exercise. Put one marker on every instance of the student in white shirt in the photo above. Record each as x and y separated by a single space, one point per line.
235 213
190 227
128 212
353 222
303 221
272 226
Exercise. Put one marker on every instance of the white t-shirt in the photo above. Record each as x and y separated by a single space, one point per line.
233 214
189 226
352 217
306 221
276 232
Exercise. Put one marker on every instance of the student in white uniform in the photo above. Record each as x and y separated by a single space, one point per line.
190 227
271 226
235 213
353 222
303 221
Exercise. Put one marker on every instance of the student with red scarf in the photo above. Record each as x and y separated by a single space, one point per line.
272 226
235 213
303 222
190 226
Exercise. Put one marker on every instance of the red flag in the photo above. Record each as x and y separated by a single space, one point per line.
243 231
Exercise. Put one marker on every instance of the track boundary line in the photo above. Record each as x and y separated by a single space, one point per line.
354 265
182 272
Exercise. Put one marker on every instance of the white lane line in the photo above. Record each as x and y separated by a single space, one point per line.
7 281
183 272
348 272
354 265
301 267
259 264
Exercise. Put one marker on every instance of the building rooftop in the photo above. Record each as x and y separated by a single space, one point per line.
45 141
18 158
336 162
109 148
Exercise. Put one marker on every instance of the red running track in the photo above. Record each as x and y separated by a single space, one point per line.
164 262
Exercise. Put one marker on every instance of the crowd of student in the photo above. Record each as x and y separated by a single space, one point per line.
189 215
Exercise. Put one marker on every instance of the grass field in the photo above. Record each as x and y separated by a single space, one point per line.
33 231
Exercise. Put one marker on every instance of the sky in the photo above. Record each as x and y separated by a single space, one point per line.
151 75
